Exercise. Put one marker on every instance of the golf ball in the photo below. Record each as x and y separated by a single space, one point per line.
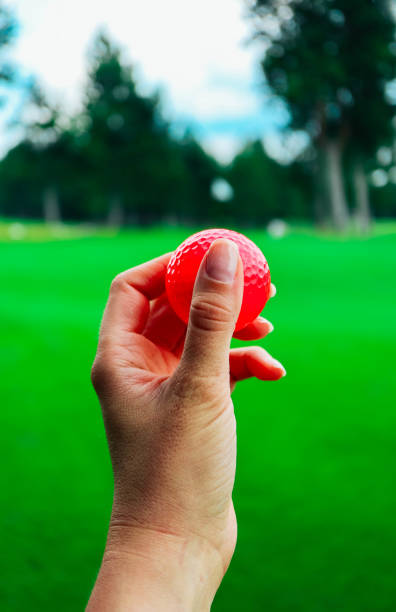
186 260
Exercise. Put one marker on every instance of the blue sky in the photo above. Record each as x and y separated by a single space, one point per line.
195 52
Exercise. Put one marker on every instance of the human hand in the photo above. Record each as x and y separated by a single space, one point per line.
165 393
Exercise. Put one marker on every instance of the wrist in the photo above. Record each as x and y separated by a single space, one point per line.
145 570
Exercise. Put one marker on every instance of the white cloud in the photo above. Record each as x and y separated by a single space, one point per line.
177 43
192 50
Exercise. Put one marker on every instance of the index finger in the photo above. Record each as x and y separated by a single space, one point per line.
128 306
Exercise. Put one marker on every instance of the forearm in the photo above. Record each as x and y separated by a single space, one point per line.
149 571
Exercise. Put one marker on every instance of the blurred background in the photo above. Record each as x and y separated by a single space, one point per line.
124 128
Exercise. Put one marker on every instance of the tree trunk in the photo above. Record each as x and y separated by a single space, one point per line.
338 204
51 206
320 199
116 212
362 211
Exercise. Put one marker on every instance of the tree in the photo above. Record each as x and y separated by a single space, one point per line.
19 194
200 171
45 136
255 179
8 28
46 160
263 189
49 166
330 62
116 160
131 154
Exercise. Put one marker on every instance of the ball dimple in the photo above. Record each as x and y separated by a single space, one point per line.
185 262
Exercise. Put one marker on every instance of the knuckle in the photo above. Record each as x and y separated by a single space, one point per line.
117 283
211 312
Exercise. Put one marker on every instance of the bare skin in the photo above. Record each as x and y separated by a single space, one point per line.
165 392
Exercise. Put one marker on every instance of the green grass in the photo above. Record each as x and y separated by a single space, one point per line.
315 494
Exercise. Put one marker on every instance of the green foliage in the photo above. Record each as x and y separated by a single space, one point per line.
46 159
330 61
384 201
118 153
263 189
19 195
127 142
118 160
200 171
255 180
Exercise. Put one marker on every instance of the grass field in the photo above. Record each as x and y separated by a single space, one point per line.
315 493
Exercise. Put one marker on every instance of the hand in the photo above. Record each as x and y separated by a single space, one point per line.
165 393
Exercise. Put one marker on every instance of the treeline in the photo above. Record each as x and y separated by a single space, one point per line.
119 162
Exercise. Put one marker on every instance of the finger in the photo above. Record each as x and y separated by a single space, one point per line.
163 326
215 307
256 330
128 305
254 362
273 290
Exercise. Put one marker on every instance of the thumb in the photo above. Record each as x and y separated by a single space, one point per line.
215 307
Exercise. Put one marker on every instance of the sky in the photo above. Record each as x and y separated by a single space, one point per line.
195 52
